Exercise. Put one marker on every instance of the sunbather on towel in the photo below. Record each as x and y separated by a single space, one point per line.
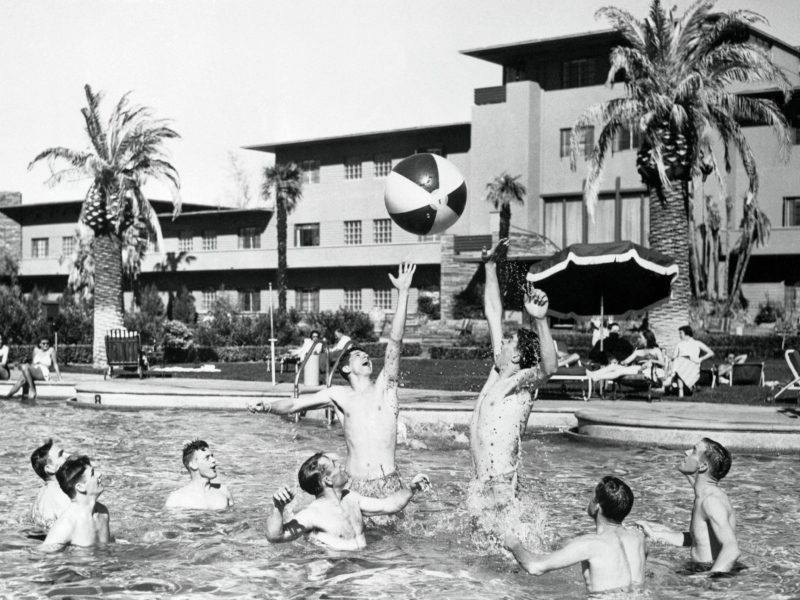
640 362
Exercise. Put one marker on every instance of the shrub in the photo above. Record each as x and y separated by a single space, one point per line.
428 303
75 320
769 312
354 323
450 353
468 303
149 319
181 306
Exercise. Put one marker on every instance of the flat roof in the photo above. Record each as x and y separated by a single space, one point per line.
18 211
273 146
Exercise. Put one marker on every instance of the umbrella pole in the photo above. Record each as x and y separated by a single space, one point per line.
602 337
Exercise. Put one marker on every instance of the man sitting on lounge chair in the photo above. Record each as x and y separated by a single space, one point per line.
724 371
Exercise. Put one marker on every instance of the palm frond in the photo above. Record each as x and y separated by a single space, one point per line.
625 23
94 127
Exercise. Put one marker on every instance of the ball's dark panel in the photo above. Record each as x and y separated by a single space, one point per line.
457 199
418 221
421 169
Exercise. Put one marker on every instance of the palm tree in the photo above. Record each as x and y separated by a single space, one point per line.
124 154
756 227
677 73
502 191
287 182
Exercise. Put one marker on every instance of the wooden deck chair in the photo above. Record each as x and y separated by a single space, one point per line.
793 360
747 374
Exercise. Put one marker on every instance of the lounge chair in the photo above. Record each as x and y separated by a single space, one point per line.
793 360
566 374
637 383
747 374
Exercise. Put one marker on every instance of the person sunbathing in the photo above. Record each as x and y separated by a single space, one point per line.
647 360
725 370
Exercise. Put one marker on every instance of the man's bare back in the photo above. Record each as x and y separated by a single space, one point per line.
49 504
617 560
78 527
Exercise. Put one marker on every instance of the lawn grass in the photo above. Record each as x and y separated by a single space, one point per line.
470 375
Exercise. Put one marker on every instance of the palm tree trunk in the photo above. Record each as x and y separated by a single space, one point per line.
669 234
280 278
108 313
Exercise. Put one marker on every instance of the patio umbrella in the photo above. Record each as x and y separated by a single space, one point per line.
622 279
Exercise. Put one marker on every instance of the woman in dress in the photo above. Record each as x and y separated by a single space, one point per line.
642 361
689 353
44 359
4 371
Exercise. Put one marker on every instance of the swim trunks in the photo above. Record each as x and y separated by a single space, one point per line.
379 488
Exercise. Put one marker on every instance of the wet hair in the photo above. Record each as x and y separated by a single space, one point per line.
344 360
718 458
649 338
189 450
71 473
615 498
686 329
528 348
40 457
310 475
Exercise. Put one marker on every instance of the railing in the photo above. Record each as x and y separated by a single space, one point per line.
328 377
471 243
490 95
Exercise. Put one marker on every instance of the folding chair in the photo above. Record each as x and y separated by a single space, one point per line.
747 374
793 360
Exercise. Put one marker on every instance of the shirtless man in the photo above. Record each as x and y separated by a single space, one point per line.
712 532
505 402
612 558
51 501
336 517
85 522
366 409
200 493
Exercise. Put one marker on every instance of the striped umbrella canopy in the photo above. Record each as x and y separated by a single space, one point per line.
622 279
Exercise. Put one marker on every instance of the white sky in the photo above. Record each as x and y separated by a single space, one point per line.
242 72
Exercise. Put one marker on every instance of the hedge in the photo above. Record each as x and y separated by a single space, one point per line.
459 353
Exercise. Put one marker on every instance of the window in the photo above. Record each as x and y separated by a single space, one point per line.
310 170
250 300
67 245
563 221
578 73
383 165
249 238
587 141
209 239
382 231
209 297
603 227
352 232
185 241
352 167
352 299
307 300
40 247
627 138
565 135
791 212
306 235
429 238
383 299
565 224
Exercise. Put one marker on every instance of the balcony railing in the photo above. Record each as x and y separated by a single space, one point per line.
490 95
471 243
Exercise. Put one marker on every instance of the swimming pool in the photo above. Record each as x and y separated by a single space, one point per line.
225 555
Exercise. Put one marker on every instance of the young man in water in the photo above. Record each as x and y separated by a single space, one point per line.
505 402
85 522
712 531
336 516
200 493
366 409
51 501
612 558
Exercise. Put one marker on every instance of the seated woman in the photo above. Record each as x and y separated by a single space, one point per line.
4 370
640 362
724 370
686 359
44 357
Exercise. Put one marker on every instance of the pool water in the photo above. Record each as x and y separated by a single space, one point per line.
162 554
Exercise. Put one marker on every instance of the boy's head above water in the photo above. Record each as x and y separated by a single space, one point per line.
613 497
521 349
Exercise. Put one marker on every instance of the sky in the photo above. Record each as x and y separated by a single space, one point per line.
236 73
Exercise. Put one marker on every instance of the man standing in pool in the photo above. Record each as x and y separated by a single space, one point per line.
336 516
366 409
51 501
85 522
523 362
712 532
200 493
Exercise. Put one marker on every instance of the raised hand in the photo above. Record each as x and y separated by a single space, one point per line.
282 497
491 255
420 482
536 302
403 280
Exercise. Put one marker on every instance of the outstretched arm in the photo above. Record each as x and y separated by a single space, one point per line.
659 533
492 302
396 502
391 365
322 399
574 552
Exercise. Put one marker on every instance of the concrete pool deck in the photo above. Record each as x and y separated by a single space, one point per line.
757 429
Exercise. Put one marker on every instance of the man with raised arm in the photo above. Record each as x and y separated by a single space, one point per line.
612 558
336 516
712 531
200 493
51 501
85 522
366 409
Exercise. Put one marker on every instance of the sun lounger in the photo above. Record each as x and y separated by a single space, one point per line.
747 374
570 374
793 360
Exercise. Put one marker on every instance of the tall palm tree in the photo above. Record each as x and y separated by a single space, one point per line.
677 74
286 180
503 191
124 153
756 228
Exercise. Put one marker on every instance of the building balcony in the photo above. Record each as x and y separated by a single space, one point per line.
490 95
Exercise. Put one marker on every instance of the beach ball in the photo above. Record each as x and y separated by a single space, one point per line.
425 194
